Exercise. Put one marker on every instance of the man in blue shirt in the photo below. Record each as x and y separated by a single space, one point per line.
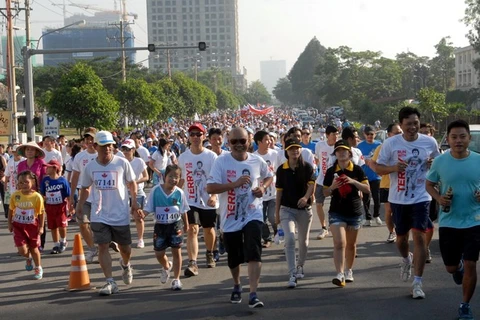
368 147
307 140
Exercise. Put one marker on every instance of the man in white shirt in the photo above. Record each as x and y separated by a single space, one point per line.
110 179
196 164
50 152
323 151
233 177
142 151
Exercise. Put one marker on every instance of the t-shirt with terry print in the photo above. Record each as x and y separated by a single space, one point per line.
408 187
239 206
271 158
323 152
195 171
167 209
109 190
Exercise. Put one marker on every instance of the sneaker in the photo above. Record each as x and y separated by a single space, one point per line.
191 270
349 275
378 221
417 292
210 260
127 273
216 255
299 273
292 282
429 257
322 234
221 247
339 280
236 297
63 247
176 285
406 268
55 250
29 264
140 244
90 254
367 223
38 273
40 249
114 246
465 312
165 274
108 289
255 303
458 275
392 237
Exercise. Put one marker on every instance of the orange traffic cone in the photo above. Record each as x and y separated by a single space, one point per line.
79 279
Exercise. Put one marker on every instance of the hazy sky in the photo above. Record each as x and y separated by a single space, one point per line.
280 29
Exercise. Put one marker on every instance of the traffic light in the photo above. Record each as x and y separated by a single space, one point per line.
151 47
36 120
22 120
202 46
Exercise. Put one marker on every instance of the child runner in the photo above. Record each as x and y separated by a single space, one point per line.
170 206
26 220
56 191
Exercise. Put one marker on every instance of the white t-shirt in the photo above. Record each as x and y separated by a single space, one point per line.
79 163
408 187
357 158
12 172
161 162
139 166
143 153
54 154
195 171
110 201
323 152
239 206
271 158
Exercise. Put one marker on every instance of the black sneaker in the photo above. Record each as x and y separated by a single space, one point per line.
216 255
55 250
458 275
236 297
255 303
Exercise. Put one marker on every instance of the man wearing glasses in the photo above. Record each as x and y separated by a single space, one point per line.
196 163
242 237
307 140
368 147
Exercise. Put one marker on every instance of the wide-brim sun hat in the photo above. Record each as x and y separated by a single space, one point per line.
33 144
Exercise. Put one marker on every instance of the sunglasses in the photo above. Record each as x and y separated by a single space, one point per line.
306 133
195 134
238 141
369 134
125 149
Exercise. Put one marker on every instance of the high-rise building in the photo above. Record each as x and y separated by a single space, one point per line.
100 31
271 71
187 22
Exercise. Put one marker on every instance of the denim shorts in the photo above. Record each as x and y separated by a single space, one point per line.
167 235
336 219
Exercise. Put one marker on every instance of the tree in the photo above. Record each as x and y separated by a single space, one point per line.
283 91
226 100
432 105
197 98
442 66
173 104
257 93
302 75
137 100
82 101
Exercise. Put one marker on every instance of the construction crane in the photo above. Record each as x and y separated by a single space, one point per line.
123 12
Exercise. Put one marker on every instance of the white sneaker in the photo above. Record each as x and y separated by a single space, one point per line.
140 243
322 234
299 273
349 275
339 280
108 289
406 268
292 282
367 223
378 221
165 274
417 292
127 273
90 254
176 285
392 236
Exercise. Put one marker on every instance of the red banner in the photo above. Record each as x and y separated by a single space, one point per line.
260 111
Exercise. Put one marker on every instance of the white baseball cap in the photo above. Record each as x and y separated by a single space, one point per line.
103 138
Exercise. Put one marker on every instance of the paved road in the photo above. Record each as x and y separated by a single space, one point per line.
377 293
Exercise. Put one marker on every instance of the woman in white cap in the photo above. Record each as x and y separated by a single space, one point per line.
34 162
141 175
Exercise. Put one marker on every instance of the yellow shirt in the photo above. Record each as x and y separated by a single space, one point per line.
26 207
385 182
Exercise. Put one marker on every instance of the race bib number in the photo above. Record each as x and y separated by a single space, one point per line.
105 180
167 215
54 197
24 216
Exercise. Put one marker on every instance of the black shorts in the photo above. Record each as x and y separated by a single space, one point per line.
104 233
455 242
207 218
411 216
167 235
384 195
244 245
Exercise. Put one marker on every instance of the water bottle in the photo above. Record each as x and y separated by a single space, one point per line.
449 195
281 235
